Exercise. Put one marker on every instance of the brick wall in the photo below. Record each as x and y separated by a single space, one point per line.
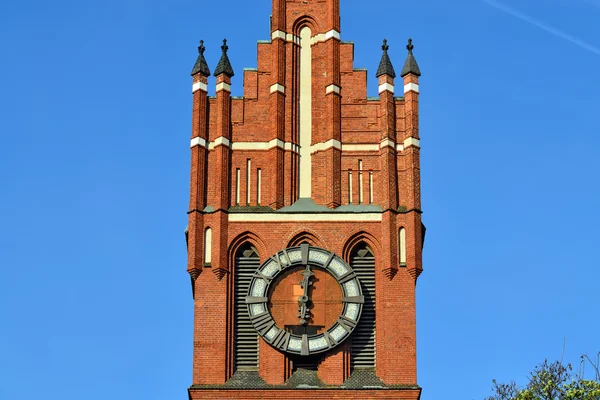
261 130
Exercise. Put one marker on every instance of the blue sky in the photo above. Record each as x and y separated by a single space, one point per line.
95 118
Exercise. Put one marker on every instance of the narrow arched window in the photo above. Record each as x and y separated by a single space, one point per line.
402 247
245 338
207 246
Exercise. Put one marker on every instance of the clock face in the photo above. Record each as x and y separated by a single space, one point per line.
304 300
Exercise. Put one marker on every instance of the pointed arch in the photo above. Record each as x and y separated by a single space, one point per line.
240 240
306 237
358 237
306 21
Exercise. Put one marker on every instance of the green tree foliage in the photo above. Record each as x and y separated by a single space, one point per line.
552 381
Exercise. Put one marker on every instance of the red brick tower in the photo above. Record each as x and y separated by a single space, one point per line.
305 233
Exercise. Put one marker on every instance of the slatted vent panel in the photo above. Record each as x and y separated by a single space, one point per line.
363 337
245 337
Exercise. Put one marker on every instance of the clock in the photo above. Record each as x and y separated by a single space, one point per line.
304 300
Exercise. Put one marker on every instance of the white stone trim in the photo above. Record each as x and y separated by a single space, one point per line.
291 38
317 38
218 142
278 34
400 147
288 37
250 146
411 141
276 143
386 86
333 89
277 88
326 145
360 147
263 146
323 37
224 86
292 147
316 217
387 143
332 34
197 141
199 86
411 86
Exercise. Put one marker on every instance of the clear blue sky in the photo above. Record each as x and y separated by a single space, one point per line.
95 112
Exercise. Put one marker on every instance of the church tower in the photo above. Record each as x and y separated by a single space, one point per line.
305 234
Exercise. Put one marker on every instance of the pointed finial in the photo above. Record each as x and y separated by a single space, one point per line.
201 66
224 66
385 65
385 46
410 46
410 66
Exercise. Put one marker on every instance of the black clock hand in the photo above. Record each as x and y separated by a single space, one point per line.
304 299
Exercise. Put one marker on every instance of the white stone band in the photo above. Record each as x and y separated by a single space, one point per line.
411 141
387 143
220 141
332 34
197 141
282 217
386 86
199 86
263 146
277 88
333 89
278 35
224 86
325 146
288 37
323 37
411 86
360 147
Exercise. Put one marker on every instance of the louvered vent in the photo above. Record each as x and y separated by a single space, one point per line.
363 338
245 337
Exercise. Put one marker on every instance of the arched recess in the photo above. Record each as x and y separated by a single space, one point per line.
245 338
305 237
402 247
306 21
242 239
362 345
358 237
207 247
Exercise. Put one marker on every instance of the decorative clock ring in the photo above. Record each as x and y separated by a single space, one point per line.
337 307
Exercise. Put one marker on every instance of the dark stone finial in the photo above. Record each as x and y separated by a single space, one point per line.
201 67
410 46
224 66
385 46
385 66
410 66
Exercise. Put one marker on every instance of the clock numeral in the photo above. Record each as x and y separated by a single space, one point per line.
256 300
354 299
304 349
330 341
304 249
347 277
